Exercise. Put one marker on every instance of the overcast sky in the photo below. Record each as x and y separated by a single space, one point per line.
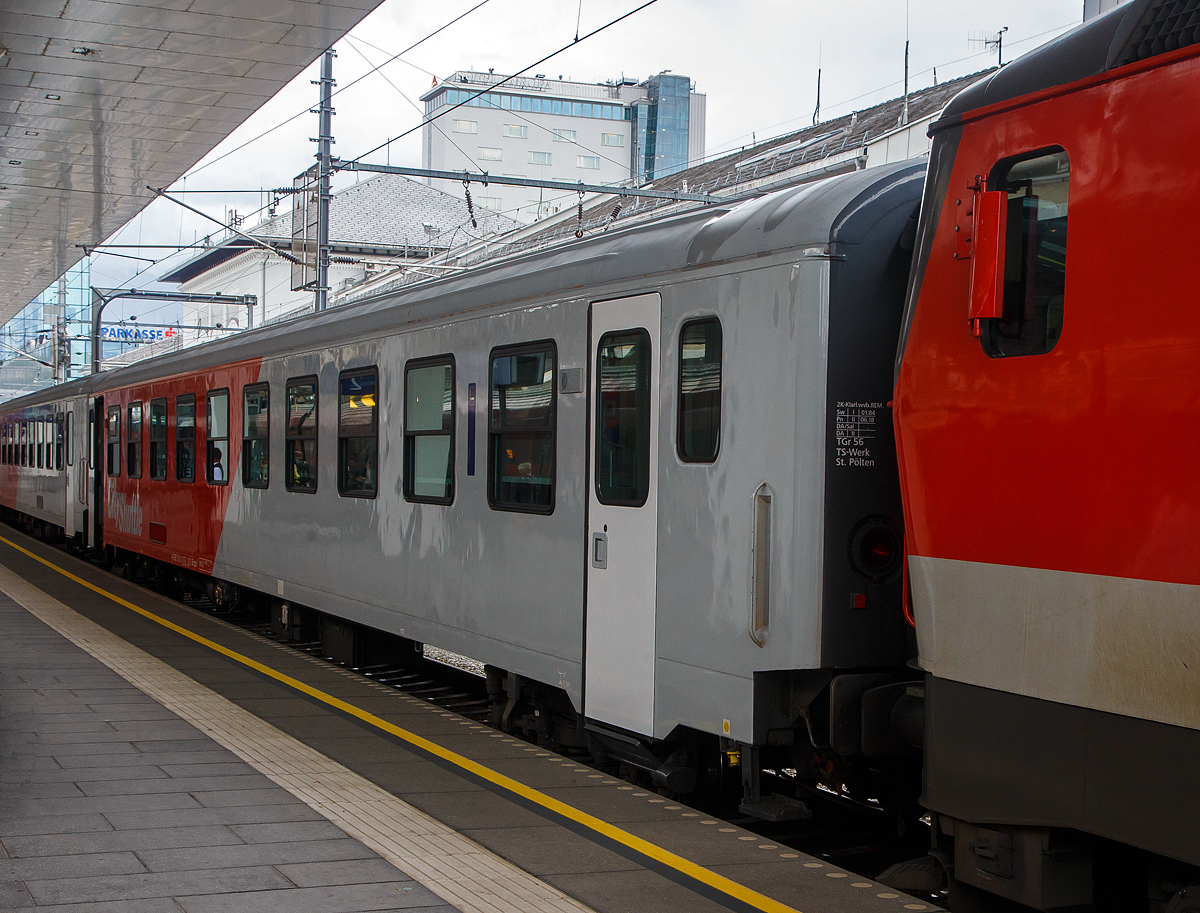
756 60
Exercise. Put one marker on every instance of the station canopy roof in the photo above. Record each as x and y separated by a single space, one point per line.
101 98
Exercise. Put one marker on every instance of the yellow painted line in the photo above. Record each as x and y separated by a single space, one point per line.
632 841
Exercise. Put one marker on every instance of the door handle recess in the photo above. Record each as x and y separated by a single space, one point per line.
600 550
760 603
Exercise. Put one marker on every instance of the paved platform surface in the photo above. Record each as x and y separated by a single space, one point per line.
266 750
109 801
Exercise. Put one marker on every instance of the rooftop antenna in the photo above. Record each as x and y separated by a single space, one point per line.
817 111
989 40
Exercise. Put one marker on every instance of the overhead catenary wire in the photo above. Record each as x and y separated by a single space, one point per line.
516 115
501 82
730 144
338 91
354 46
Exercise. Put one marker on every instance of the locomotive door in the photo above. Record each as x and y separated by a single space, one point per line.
622 512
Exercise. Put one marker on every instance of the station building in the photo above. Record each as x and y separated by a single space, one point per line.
616 132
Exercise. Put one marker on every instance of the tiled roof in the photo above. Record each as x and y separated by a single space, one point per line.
387 210
392 210
777 156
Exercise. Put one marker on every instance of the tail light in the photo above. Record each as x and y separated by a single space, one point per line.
876 549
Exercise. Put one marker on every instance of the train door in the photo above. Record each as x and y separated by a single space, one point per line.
65 440
623 512
96 464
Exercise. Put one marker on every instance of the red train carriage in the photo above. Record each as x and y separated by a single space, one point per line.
172 434
1048 419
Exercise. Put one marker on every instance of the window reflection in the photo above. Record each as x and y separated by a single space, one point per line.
521 429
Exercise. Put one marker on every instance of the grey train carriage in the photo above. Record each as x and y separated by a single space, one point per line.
648 478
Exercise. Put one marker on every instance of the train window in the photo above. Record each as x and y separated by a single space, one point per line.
114 441
358 434
133 467
216 456
39 437
699 432
59 421
256 436
158 439
300 470
70 438
23 431
521 437
185 437
429 430
1035 255
4 444
623 418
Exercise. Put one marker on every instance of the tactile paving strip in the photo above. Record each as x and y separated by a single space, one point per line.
452 866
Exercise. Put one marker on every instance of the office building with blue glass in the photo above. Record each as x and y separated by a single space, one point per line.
618 132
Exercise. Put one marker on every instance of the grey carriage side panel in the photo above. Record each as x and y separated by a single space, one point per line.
772 317
41 490
863 623
456 575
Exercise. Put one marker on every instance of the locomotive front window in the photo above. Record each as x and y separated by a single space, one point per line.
300 471
216 438
114 441
158 439
699 431
1035 255
256 436
134 446
521 436
358 434
623 418
429 430
185 438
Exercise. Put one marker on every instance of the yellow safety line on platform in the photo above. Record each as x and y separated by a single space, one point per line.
646 848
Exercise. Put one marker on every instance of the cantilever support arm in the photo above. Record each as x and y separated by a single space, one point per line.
101 299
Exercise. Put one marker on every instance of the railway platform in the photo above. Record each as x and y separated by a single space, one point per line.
157 758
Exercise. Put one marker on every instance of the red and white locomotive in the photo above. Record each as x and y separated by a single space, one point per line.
1046 406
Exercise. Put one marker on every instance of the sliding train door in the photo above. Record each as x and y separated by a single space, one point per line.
622 512
65 442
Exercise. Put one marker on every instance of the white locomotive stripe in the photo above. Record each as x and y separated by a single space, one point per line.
1113 644
454 867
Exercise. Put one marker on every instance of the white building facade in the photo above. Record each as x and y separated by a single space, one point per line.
618 132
